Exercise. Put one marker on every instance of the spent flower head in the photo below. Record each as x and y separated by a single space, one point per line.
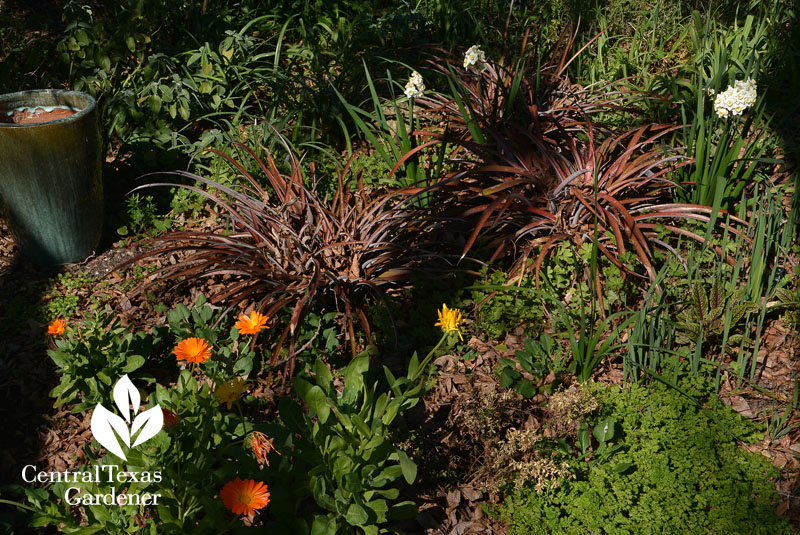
261 445
449 320
475 57
171 420
736 98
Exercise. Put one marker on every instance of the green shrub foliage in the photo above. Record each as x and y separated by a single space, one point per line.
678 472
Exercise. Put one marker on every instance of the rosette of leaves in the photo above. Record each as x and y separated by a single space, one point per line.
292 247
710 315
537 368
343 443
93 356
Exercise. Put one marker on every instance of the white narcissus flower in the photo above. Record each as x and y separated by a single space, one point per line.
414 87
412 91
736 98
475 57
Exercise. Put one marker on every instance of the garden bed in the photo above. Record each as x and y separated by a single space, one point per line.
353 284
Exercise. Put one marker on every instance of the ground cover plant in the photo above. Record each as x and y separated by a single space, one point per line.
418 268
670 468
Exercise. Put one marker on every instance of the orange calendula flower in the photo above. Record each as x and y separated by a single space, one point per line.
243 497
261 445
193 350
251 324
230 391
57 327
449 320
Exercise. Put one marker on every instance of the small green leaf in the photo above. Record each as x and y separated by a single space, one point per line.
324 526
402 510
354 378
379 507
583 438
624 468
134 363
320 494
318 402
391 412
322 371
604 431
361 426
508 376
356 515
155 103
526 388
387 475
408 467
243 366
59 358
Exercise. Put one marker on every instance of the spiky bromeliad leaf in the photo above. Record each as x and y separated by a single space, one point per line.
541 172
292 248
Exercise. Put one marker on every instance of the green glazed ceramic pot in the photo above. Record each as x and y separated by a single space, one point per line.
50 177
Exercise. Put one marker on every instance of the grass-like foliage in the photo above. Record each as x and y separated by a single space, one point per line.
530 169
290 246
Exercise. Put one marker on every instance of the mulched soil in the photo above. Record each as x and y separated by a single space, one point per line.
450 502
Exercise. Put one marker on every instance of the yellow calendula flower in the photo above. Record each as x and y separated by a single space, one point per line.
449 320
230 391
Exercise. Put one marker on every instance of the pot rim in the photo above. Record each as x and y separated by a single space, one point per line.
91 104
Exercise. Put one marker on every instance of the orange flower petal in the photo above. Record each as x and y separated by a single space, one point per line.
57 327
251 324
243 497
193 350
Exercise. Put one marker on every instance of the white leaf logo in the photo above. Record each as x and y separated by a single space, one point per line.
105 423
150 421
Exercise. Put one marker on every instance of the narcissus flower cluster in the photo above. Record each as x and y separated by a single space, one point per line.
736 98
475 57
414 87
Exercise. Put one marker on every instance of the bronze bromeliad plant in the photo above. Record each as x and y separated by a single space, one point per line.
530 169
291 246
